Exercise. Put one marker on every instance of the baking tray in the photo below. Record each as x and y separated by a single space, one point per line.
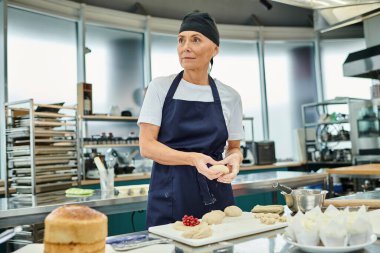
43 179
49 141
26 163
44 157
44 187
20 152
55 167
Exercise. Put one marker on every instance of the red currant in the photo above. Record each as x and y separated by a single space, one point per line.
190 220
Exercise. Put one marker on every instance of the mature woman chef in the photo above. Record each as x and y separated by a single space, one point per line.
185 122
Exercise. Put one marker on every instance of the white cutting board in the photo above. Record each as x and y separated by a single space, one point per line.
231 228
162 248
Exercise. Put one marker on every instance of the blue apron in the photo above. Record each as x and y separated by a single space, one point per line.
189 126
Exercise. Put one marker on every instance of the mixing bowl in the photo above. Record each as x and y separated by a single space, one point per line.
304 200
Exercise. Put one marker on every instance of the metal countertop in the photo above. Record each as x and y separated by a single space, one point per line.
33 209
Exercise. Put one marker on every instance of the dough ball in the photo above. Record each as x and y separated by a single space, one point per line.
221 168
233 211
213 217
178 225
198 232
283 219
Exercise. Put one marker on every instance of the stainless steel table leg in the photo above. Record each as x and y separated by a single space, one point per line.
274 197
324 184
331 186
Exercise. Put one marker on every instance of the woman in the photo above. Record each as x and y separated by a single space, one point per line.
185 122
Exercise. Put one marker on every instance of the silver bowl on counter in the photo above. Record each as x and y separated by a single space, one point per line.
304 200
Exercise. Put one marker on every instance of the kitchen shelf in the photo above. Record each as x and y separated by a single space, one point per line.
326 123
328 120
110 145
336 101
314 142
84 125
108 118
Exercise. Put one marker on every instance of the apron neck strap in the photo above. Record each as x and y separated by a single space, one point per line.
177 80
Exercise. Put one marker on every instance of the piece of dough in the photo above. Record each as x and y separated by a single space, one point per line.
267 215
272 215
268 221
283 219
214 217
233 211
178 225
221 168
268 209
198 232
259 215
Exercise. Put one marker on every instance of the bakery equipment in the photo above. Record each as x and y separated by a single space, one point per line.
9 233
365 130
42 147
129 242
264 152
247 154
282 187
123 161
304 200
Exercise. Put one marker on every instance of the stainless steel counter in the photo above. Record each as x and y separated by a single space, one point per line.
262 182
33 209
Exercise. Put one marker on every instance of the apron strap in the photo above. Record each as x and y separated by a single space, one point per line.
207 197
173 88
215 93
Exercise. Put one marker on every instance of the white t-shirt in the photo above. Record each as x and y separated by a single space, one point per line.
151 111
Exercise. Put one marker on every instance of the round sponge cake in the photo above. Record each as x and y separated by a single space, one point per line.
75 224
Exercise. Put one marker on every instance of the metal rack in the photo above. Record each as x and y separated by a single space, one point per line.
42 147
327 131
82 122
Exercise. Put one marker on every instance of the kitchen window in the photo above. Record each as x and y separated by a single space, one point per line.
42 58
290 83
333 55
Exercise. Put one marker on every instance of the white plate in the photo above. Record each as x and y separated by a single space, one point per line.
319 249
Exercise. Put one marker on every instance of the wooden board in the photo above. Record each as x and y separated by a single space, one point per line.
371 203
231 228
366 169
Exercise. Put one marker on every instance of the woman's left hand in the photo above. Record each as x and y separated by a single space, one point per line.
233 163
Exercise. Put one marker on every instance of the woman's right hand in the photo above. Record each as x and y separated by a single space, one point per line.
200 161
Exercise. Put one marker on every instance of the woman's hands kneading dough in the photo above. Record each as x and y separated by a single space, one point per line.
200 162
233 163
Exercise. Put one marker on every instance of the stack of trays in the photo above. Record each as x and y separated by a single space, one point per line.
42 152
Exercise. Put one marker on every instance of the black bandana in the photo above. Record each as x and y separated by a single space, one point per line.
203 23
